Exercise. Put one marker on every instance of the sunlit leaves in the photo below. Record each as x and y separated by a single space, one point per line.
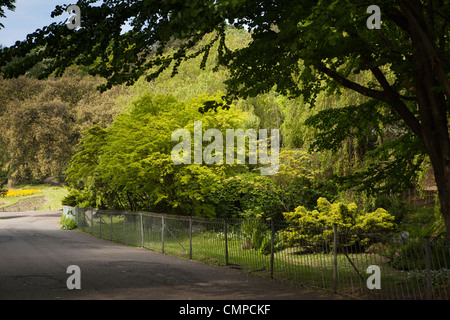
129 164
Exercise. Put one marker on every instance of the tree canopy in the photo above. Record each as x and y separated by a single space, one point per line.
129 164
42 122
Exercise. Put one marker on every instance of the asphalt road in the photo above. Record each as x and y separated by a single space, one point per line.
35 254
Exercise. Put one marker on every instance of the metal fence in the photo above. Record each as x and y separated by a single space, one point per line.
347 263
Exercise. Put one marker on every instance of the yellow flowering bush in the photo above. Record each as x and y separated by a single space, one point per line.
315 228
21 193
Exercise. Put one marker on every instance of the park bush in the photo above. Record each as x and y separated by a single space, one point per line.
410 255
258 236
254 232
75 198
250 194
313 229
129 165
68 221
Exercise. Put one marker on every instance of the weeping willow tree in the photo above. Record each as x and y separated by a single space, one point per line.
359 144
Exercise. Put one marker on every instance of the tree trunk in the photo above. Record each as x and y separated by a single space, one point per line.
442 178
444 199
436 140
429 73
435 137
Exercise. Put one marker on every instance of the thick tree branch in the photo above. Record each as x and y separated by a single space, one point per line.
388 95
350 84
394 100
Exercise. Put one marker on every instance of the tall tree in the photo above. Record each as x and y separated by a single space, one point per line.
8 4
42 121
295 47
129 164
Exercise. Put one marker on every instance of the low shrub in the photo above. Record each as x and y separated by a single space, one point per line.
253 232
258 236
315 228
438 277
68 222
411 256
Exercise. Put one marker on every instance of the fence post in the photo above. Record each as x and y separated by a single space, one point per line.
92 221
78 217
272 236
226 241
428 268
162 233
110 234
100 219
190 237
124 226
84 218
335 264
142 231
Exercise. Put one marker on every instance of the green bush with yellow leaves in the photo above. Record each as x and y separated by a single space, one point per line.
313 230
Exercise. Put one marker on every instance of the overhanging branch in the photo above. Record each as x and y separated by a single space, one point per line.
350 84
389 96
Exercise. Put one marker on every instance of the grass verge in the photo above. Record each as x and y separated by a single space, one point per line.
49 199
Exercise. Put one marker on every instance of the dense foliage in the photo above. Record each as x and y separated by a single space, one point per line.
129 165
42 122
351 124
300 49
315 227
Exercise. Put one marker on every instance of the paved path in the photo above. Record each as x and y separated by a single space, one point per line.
35 254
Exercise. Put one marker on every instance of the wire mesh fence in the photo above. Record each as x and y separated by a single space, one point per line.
334 259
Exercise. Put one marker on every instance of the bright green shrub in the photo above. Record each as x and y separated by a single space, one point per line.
258 236
129 166
314 229
379 221
254 232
